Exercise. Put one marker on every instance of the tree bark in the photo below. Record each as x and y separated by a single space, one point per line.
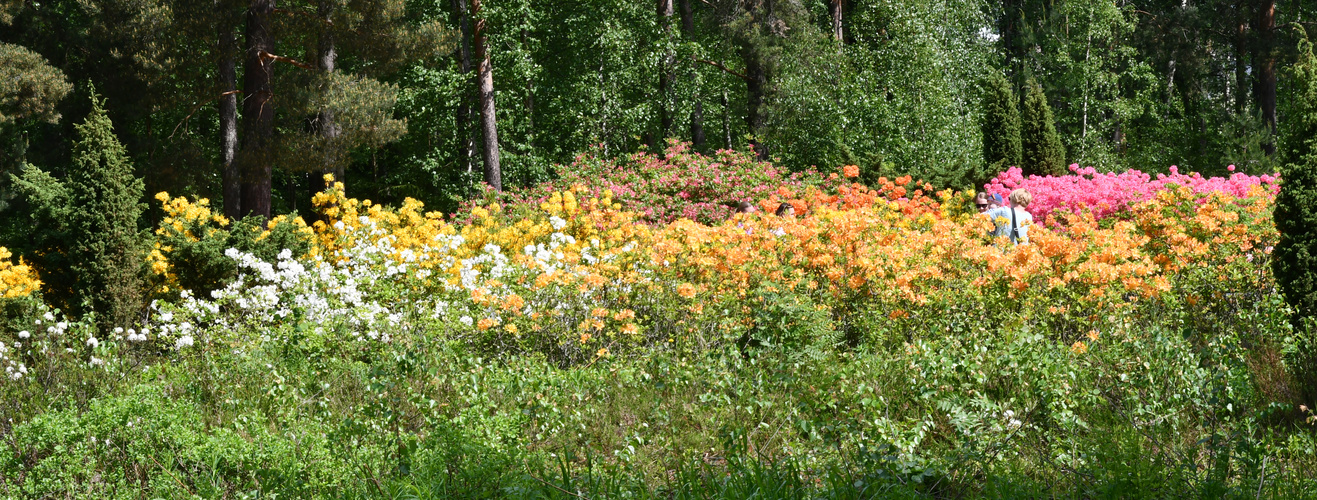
325 118
231 187
727 122
257 110
697 113
1264 67
756 84
1241 63
836 10
488 123
665 70
466 133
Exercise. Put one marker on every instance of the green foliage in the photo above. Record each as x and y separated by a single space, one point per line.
90 250
1295 258
896 101
1001 125
1042 151
29 86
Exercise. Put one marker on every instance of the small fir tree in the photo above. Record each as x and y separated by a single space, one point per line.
86 237
1295 258
1042 151
1001 125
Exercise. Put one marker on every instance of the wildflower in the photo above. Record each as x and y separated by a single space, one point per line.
24 334
184 341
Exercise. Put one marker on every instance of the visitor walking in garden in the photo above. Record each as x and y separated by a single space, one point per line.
1013 220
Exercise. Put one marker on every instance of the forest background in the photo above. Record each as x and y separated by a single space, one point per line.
251 102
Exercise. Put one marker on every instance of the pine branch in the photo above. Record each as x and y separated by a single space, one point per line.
720 66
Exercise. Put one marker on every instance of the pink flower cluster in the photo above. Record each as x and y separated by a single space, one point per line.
678 183
1108 193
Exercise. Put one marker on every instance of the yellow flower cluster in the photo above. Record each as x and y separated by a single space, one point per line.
188 221
16 280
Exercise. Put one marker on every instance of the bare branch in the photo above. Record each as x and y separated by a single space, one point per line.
720 66
294 62
197 108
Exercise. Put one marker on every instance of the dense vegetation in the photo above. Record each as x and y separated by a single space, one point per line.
591 315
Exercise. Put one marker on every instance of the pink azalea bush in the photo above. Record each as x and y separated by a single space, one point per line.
1108 193
678 183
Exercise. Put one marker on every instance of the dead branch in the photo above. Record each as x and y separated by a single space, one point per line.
720 66
197 108
266 55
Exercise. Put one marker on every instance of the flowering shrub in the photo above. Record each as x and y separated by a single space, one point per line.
16 280
1109 193
677 183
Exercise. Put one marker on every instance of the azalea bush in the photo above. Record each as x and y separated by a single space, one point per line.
661 187
1111 193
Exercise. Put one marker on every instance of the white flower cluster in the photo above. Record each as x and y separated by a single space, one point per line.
368 288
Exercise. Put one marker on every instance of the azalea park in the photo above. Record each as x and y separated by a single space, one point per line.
679 249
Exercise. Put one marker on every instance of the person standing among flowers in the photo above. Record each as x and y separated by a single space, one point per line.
981 202
786 211
1013 220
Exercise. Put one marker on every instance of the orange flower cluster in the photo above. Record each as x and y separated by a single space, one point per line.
884 249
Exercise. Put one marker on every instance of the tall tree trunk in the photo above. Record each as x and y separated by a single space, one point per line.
1009 28
231 187
697 113
836 9
727 122
257 110
465 132
1264 67
756 84
1241 62
488 124
665 70
325 125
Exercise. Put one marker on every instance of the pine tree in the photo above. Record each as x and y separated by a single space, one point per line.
1041 150
1295 258
1001 124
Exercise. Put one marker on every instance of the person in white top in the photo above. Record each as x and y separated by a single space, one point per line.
1013 220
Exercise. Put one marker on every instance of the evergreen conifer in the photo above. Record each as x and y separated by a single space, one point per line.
1042 151
1001 125
88 245
1295 257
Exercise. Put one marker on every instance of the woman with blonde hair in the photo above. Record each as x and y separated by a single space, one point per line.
1013 220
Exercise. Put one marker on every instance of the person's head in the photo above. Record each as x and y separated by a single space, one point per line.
981 202
785 210
1021 198
746 207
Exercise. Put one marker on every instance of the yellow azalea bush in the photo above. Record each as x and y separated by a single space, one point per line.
16 280
188 248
